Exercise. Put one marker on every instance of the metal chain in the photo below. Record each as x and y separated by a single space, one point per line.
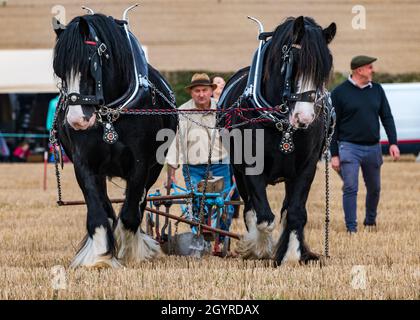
156 90
153 96
327 206
55 144
327 183
188 182
206 178
57 175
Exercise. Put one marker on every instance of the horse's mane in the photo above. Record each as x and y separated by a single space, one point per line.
315 59
71 53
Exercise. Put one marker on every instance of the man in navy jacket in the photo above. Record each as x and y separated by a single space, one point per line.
359 103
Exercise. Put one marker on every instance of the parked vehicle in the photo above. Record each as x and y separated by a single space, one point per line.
404 99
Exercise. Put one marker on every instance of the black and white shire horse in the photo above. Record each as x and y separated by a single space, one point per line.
295 64
103 72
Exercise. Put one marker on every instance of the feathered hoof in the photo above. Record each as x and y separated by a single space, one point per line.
101 263
106 263
92 253
310 257
256 245
136 247
266 227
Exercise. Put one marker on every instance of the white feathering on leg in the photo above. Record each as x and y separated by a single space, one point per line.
92 252
293 253
257 243
135 246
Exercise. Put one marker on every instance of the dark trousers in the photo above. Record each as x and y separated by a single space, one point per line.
369 158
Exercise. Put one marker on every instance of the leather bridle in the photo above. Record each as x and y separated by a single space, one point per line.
289 53
95 68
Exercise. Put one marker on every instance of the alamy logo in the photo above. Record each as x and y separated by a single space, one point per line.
358 277
359 20
58 280
248 147
59 18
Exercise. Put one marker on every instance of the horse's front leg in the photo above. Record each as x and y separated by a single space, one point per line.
291 245
133 244
98 247
257 243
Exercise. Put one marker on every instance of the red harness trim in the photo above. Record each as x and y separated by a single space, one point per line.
92 43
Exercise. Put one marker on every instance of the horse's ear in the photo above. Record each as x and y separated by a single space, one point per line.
84 28
329 32
298 29
57 26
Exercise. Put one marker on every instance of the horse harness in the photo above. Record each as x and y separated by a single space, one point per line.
109 113
252 95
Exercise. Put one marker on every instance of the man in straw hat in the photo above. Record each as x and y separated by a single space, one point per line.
359 103
195 136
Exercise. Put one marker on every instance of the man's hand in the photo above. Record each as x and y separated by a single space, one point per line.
394 152
335 163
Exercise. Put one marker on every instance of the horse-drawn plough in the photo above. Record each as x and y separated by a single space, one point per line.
206 227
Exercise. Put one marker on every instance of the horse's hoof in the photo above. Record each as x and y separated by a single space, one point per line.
255 245
310 257
100 265
106 264
136 247
92 252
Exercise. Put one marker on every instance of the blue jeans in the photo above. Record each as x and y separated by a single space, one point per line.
369 158
197 173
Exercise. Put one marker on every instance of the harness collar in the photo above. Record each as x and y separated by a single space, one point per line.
252 94
253 89
137 88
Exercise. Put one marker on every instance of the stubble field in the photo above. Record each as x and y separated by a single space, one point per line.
37 237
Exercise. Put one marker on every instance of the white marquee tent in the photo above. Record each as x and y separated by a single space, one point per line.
26 71
29 71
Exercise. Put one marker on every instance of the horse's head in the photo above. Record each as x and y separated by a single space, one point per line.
299 65
93 60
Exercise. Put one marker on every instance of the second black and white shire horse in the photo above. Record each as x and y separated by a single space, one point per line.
103 73
286 87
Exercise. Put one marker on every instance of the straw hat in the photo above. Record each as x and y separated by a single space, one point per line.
200 79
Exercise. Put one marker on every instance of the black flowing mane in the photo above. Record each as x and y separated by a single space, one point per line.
71 54
315 59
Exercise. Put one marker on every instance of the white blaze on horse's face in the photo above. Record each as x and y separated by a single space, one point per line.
304 112
76 116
